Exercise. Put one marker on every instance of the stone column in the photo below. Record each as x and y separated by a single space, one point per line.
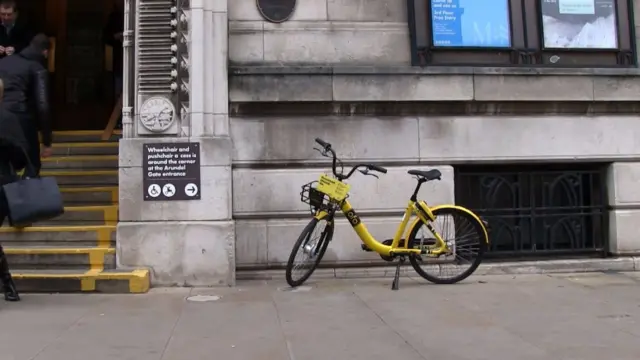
623 181
188 243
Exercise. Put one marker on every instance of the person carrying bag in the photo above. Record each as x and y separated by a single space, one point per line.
23 200
32 199
13 145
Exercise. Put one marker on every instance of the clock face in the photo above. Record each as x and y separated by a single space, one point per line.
157 114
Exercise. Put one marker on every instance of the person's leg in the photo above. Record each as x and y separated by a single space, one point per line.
31 134
8 286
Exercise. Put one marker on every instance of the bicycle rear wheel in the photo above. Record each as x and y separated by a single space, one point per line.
464 235
308 251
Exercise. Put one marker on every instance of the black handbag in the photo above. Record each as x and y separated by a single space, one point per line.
32 199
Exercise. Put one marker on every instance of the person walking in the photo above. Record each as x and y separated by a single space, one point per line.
26 95
15 31
13 150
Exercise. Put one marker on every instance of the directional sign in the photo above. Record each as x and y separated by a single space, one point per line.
171 171
191 189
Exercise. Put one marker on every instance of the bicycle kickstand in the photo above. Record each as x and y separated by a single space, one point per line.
396 279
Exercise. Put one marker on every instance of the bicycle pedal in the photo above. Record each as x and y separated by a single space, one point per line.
365 248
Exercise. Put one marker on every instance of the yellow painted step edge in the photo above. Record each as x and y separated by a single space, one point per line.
115 194
78 172
85 144
96 254
139 279
103 232
83 189
90 208
59 228
109 212
72 158
84 132
58 250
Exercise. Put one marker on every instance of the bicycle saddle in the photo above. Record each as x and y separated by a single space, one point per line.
433 174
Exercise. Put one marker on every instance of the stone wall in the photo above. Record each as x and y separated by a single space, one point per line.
321 32
266 203
355 52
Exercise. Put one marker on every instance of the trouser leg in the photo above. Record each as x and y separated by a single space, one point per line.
8 286
31 133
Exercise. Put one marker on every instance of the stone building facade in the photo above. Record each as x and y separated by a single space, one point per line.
544 141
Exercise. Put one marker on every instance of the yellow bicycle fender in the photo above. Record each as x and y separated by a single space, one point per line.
321 215
435 208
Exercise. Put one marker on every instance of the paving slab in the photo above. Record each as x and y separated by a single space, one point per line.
518 316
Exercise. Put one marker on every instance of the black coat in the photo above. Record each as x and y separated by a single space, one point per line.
19 37
26 90
13 143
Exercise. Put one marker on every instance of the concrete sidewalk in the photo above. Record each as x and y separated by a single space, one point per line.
525 317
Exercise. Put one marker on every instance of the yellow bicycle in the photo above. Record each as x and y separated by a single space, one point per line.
435 250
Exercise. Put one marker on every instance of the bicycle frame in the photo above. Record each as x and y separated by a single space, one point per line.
420 209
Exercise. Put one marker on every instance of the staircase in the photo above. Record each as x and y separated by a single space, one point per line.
76 251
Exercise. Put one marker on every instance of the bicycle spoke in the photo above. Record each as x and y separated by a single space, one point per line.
460 235
306 256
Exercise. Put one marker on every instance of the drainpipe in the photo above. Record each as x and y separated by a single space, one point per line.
127 59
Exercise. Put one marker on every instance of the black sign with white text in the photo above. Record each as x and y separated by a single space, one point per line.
171 171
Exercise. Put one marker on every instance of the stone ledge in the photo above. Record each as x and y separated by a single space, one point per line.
366 84
621 264
431 70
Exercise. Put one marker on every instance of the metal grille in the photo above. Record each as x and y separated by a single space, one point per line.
535 210
154 46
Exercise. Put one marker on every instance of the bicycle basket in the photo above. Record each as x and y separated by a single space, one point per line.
315 199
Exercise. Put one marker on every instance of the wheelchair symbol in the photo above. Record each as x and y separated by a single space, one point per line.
154 190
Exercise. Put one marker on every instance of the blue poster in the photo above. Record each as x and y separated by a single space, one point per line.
471 23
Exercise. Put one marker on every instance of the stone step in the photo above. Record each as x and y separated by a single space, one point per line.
83 215
106 177
85 148
67 236
83 136
83 162
118 281
78 258
89 195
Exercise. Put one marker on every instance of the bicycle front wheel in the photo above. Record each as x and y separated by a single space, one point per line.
465 237
308 251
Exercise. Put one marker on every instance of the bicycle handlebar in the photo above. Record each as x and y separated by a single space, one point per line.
323 143
327 149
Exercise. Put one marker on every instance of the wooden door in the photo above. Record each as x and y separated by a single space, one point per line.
81 79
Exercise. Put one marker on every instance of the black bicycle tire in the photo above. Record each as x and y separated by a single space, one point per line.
323 248
483 247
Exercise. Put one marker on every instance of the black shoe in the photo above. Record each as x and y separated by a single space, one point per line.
10 291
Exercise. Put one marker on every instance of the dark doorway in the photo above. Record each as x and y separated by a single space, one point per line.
82 81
